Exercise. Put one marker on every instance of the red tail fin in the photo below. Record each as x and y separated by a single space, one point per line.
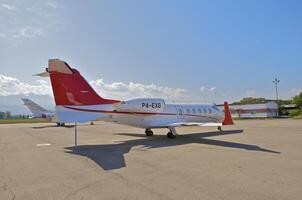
70 88
227 115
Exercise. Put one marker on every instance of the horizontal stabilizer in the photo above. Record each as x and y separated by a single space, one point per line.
43 74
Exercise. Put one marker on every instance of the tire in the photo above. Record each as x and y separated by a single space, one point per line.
170 135
149 133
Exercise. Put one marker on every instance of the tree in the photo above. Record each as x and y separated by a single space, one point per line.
298 100
2 115
8 115
250 100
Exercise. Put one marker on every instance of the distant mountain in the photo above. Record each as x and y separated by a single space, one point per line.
14 104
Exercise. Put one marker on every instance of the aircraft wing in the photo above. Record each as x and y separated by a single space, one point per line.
194 124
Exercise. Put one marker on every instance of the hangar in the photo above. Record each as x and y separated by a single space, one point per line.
269 109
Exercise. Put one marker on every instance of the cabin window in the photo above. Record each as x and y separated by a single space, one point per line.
199 110
215 108
179 111
194 111
204 110
188 110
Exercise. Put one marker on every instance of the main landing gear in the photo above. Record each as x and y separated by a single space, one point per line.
60 124
149 132
219 128
172 133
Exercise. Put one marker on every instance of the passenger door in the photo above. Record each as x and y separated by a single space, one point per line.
179 112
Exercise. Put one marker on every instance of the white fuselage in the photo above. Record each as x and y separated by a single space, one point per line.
170 114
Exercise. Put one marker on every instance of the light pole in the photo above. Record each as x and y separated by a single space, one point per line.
276 81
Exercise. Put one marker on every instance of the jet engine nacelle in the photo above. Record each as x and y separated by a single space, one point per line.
150 105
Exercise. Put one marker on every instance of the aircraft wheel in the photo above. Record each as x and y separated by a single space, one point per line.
149 133
62 124
219 128
171 135
58 124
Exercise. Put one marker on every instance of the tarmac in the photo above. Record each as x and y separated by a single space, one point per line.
254 159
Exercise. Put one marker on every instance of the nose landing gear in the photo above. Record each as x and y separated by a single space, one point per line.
172 133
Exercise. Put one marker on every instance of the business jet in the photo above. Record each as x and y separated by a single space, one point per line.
40 112
77 102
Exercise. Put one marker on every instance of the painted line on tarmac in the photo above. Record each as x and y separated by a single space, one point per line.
43 144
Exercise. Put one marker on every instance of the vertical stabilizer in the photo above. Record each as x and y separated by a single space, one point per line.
228 120
34 108
70 88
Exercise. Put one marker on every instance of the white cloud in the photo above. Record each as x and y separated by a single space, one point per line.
52 4
208 93
13 86
30 19
293 92
8 7
118 90
123 91
29 31
250 93
205 89
22 33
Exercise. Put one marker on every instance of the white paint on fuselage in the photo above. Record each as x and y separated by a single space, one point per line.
173 113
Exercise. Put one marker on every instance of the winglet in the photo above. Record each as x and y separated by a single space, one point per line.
227 115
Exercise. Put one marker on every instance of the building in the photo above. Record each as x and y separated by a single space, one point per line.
289 107
270 109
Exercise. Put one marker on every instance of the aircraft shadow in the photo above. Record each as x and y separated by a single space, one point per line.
52 126
47 126
66 126
111 156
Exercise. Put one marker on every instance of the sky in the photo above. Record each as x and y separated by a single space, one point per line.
184 51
